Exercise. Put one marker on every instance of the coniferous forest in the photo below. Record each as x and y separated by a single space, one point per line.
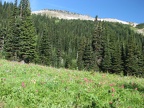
75 44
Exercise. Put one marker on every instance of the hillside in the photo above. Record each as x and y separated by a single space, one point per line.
73 44
61 14
140 28
69 15
31 86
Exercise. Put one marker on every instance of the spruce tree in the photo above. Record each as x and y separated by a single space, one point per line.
87 57
131 63
12 38
45 49
80 53
116 66
15 27
106 62
2 35
97 45
27 33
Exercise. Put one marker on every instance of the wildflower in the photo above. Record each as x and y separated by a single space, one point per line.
113 90
111 84
33 81
110 102
85 79
23 85
122 86
112 94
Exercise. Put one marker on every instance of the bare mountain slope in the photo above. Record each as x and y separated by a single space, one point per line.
69 15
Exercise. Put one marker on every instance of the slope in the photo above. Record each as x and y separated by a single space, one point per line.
61 14
31 86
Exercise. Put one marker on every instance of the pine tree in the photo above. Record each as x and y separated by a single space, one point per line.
15 27
12 38
45 49
58 53
2 35
97 45
131 64
123 57
87 57
106 62
139 60
27 33
116 61
81 48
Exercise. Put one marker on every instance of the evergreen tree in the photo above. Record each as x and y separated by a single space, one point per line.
87 57
15 27
97 45
80 53
2 35
116 60
45 49
27 33
123 57
106 62
131 64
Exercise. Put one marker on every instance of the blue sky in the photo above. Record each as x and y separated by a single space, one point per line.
127 10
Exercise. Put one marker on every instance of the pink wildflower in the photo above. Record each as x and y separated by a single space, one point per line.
113 90
122 86
112 94
111 84
23 85
110 102
85 79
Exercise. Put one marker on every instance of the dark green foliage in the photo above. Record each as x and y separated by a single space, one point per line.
131 64
97 45
44 49
140 26
80 53
106 62
27 40
87 57
116 66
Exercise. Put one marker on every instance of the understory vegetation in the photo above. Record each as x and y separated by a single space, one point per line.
35 86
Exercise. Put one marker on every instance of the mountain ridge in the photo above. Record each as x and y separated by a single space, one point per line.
62 14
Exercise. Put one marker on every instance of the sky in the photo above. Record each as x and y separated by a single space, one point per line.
126 10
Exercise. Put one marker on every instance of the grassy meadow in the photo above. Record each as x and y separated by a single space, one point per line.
35 86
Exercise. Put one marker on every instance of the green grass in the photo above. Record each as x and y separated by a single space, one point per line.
34 86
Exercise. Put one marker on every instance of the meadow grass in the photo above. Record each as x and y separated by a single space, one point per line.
35 86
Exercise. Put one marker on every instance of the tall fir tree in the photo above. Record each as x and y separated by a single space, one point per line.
80 53
131 65
27 33
116 66
106 61
87 57
45 48
97 45
15 27
12 38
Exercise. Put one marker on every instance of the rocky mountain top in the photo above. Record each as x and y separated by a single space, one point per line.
61 14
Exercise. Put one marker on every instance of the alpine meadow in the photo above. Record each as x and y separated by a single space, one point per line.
51 62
